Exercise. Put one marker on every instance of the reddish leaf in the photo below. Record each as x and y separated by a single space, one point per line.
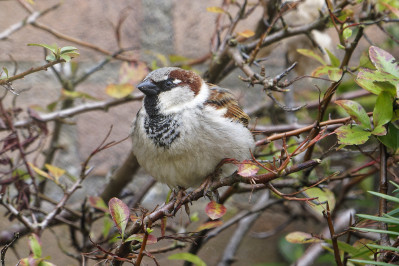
356 112
247 169
311 54
384 61
215 210
120 214
98 203
209 225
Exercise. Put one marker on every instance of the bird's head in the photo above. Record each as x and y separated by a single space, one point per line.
172 89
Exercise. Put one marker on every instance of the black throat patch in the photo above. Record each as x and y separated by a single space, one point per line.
161 129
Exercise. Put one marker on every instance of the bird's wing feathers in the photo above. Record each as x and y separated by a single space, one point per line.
222 98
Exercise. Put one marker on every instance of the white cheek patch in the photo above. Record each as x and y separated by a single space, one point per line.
176 81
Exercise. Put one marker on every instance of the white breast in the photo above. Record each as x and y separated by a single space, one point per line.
205 139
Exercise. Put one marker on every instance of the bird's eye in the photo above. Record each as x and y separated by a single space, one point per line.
169 83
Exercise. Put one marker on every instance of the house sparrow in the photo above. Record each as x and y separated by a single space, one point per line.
186 127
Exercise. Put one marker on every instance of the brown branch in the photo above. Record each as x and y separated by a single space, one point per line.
304 129
26 21
168 208
327 215
331 91
6 81
83 108
65 37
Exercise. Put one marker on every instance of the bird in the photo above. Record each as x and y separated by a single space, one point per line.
186 127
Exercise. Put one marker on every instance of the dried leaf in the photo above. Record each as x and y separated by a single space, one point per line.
215 210
55 171
41 172
215 9
119 90
246 33
312 54
300 238
98 203
208 225
132 73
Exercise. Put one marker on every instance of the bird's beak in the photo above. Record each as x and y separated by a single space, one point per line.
148 87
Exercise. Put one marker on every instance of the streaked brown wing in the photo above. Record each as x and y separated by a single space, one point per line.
222 98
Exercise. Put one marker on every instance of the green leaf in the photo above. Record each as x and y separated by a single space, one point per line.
356 112
371 262
68 49
390 220
53 48
120 214
344 247
383 247
67 58
391 139
383 110
77 94
352 135
379 131
197 261
35 246
384 196
140 237
323 196
107 225
334 73
334 60
378 231
347 33
51 57
312 54
384 61
5 71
